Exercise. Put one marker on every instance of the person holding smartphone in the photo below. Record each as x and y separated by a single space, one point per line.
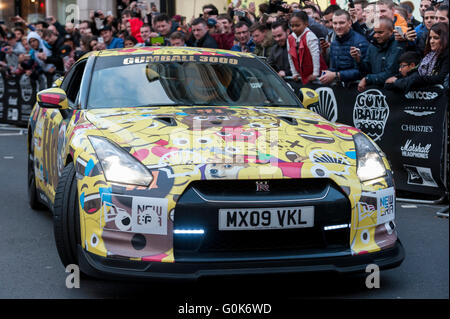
381 60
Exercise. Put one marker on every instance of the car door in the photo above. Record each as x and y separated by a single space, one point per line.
51 133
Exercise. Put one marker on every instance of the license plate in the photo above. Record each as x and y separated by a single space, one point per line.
266 218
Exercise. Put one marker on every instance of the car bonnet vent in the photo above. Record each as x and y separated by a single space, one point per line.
169 121
289 120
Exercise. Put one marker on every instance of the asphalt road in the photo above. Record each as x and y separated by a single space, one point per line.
30 266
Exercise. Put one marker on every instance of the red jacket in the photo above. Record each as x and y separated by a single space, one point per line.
136 24
224 40
301 56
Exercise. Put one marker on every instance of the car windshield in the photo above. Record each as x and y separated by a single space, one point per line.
138 81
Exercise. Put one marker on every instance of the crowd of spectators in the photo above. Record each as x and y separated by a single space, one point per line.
367 43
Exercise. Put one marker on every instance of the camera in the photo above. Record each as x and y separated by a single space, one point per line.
351 4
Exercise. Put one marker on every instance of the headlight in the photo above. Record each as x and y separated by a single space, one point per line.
370 163
118 165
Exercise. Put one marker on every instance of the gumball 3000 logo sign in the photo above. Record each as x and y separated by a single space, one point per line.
371 113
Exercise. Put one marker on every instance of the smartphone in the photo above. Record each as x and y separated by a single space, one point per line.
100 40
399 30
351 4
239 13
155 40
410 26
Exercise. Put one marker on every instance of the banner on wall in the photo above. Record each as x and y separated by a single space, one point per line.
410 127
18 96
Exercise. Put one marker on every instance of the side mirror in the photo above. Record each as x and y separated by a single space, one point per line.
309 97
54 98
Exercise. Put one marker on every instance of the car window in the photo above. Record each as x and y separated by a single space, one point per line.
72 82
116 82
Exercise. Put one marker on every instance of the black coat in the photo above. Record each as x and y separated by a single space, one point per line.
206 42
415 80
279 59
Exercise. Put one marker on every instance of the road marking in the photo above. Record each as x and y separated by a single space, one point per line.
11 134
8 157
409 206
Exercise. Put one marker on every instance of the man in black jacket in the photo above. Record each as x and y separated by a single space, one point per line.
278 58
200 35
55 44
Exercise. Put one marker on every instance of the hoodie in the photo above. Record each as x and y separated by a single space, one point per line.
33 53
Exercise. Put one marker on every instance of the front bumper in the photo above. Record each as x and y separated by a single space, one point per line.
343 262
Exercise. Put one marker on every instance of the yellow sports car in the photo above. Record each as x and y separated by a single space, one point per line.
185 162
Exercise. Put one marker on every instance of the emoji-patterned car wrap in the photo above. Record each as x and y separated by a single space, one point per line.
260 143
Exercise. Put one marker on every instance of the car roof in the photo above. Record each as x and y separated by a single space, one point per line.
168 51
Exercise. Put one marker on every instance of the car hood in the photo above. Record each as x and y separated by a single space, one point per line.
200 135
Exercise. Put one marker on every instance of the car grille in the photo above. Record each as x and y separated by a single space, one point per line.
198 208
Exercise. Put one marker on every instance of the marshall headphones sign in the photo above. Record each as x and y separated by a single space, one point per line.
410 127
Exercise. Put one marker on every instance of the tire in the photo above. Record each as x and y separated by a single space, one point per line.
66 217
33 200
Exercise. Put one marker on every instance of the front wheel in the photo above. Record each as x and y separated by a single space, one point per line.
66 217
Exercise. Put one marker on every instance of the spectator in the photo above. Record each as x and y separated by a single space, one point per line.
358 9
262 38
85 43
20 34
380 62
343 68
407 72
55 44
74 34
245 42
210 12
93 43
165 27
200 35
441 14
279 56
146 33
224 36
424 4
16 46
328 16
386 9
135 29
177 39
359 18
85 28
435 65
409 7
37 47
130 41
369 14
303 48
110 41
429 19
